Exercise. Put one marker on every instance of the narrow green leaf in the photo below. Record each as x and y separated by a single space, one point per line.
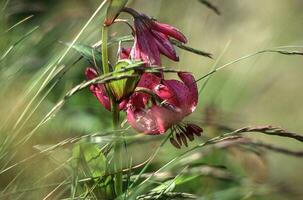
91 54
90 158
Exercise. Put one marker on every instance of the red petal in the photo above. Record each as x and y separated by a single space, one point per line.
90 73
100 92
189 80
124 53
169 30
180 93
143 121
98 89
149 80
165 46
146 44
155 120
165 93
123 104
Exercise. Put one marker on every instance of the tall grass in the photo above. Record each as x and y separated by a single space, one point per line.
57 141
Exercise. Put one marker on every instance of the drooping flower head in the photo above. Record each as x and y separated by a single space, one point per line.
152 39
157 105
177 100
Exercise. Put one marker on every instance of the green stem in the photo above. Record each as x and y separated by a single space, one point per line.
117 151
116 117
105 65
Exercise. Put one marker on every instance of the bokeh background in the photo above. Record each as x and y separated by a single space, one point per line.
262 90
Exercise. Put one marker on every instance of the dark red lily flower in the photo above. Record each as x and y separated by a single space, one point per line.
178 99
152 39
99 90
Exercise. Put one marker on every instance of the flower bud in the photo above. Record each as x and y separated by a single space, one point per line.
122 88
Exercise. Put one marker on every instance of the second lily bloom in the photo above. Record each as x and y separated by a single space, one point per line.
152 39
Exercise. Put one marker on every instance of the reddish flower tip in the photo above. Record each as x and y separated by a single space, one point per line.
99 90
90 73
124 53
170 31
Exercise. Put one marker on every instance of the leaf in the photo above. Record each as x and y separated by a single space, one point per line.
123 87
91 158
190 49
114 9
89 53
169 186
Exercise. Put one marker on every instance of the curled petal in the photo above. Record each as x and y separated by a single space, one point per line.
138 100
97 89
189 80
154 121
143 121
165 93
149 80
124 53
185 93
169 30
100 92
90 73
165 46
123 104
179 93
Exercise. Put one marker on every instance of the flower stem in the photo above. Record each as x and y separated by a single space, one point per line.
117 151
116 117
105 65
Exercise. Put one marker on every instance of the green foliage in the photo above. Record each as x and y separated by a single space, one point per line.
92 55
69 169
124 87
90 158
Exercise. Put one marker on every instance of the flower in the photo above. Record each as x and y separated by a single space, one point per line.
99 90
177 100
124 53
152 39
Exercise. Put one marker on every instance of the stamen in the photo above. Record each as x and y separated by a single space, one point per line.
174 143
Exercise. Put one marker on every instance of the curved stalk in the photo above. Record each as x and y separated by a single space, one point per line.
116 116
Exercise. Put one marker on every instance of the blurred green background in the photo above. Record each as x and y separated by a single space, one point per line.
265 89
